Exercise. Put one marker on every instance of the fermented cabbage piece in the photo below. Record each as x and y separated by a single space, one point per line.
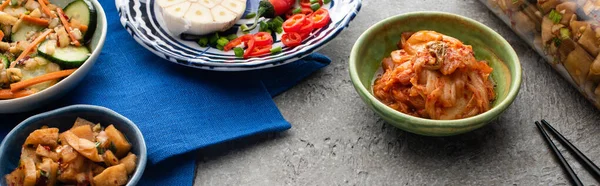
31 174
76 165
110 159
81 122
129 162
45 152
83 146
83 131
49 169
122 146
114 175
578 64
48 136
435 76
589 41
15 177
97 169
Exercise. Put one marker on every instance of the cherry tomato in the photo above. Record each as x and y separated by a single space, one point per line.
291 39
237 41
306 3
320 18
307 26
294 23
263 38
261 50
249 47
280 6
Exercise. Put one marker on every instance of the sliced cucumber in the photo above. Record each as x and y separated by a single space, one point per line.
24 28
4 62
67 57
84 12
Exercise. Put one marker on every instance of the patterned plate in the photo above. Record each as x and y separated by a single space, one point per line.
142 19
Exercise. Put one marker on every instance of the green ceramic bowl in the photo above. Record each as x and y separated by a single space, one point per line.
378 41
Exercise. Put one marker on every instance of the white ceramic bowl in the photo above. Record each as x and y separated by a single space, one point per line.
64 86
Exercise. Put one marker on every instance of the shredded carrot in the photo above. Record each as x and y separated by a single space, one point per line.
46 9
23 93
4 4
35 20
1 34
67 26
46 1
40 79
6 94
31 46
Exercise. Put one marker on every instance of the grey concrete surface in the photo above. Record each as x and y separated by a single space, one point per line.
337 140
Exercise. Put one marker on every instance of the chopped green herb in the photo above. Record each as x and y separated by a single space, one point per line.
203 42
112 147
212 40
279 30
100 149
315 6
270 25
239 52
515 1
297 10
263 27
220 47
326 1
565 33
556 41
244 27
278 19
276 50
27 13
232 37
222 41
314 1
250 15
555 16
14 3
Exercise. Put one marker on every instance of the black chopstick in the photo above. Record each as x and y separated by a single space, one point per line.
587 162
574 179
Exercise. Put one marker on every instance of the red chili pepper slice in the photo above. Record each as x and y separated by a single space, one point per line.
237 41
304 35
294 23
307 26
261 50
305 11
249 47
263 38
320 18
306 3
291 39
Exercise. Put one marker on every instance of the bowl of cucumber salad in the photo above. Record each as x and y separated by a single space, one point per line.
47 48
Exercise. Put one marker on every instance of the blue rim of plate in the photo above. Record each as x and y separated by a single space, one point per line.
139 17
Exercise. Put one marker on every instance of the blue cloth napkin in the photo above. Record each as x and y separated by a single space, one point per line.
179 109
